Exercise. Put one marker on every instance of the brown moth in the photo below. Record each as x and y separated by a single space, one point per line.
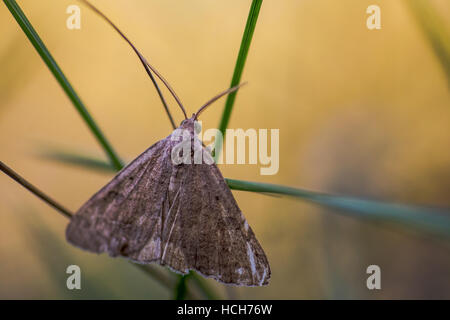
180 215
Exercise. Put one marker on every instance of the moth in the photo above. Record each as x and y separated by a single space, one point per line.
180 215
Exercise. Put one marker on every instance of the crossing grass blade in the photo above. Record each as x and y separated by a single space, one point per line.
434 220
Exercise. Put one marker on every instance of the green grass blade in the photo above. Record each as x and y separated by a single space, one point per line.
433 220
77 159
180 289
40 47
423 218
435 31
238 69
204 287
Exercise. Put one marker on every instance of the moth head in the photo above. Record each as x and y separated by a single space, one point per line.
192 125
188 124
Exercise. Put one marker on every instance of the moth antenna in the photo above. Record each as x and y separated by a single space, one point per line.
168 87
217 97
148 67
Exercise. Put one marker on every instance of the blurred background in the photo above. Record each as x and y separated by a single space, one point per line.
361 112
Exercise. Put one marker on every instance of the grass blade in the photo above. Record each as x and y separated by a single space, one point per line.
434 30
40 47
180 289
204 287
77 159
238 69
24 183
423 218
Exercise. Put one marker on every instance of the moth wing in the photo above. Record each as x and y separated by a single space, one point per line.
125 215
208 232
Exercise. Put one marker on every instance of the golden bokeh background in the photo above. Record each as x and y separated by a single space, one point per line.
360 112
